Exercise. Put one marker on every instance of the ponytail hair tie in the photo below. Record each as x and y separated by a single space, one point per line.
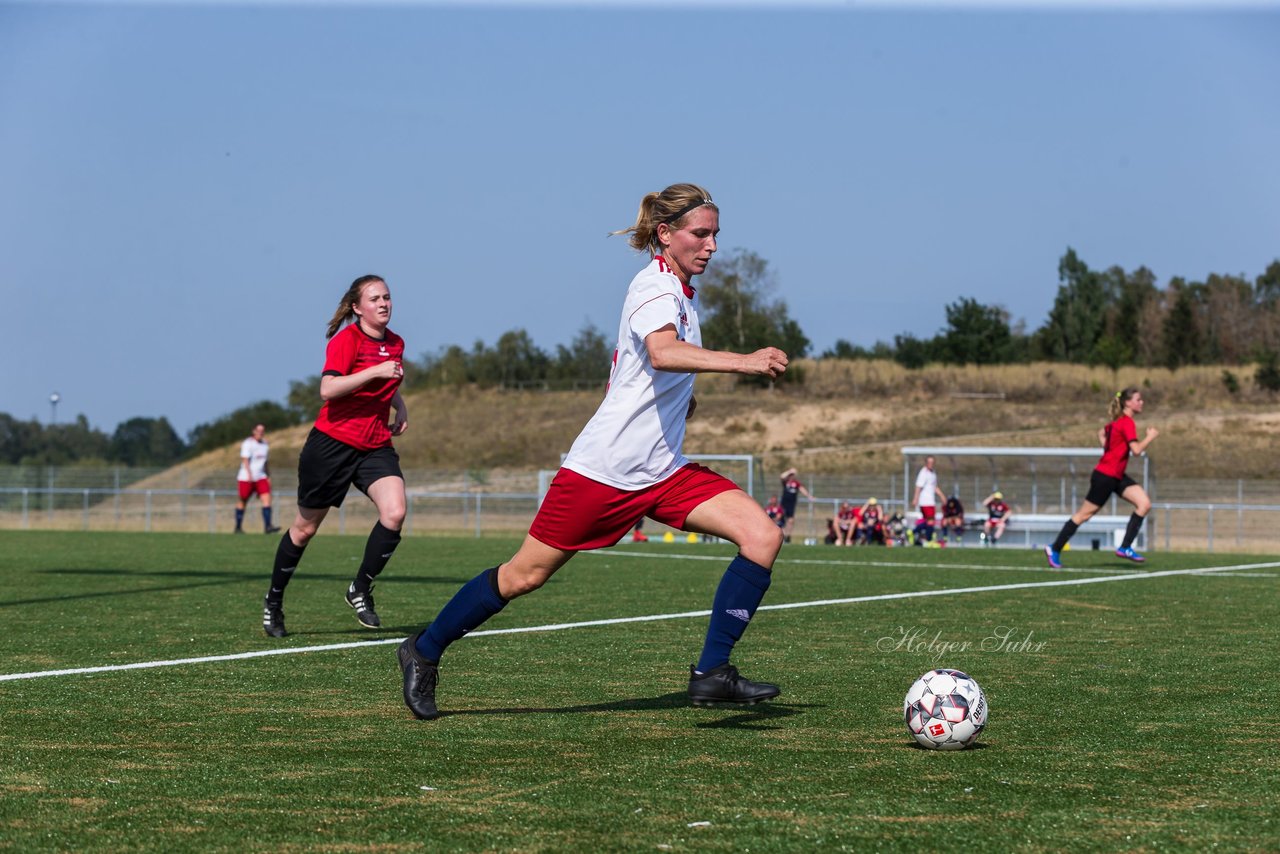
1118 394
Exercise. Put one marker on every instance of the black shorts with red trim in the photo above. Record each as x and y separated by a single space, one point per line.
327 469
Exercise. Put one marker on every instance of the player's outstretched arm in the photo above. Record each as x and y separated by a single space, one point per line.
669 353
1137 448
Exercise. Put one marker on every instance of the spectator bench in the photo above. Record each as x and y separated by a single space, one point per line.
1036 530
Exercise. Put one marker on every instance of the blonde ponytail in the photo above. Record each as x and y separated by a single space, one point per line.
669 206
1116 407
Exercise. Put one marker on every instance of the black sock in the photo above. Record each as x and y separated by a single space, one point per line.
288 557
378 549
1131 531
1067 532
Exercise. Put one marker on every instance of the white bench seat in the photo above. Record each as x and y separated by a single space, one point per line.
1036 530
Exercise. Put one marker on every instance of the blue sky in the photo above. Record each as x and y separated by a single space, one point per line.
187 190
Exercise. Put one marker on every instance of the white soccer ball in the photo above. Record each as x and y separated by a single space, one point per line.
945 710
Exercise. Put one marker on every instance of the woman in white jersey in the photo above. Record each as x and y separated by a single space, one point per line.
628 463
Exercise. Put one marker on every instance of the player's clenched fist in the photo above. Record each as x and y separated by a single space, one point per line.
770 362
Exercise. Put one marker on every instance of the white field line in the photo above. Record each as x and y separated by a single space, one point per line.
854 562
555 627
905 564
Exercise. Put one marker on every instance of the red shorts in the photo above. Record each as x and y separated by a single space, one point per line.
579 513
927 513
249 487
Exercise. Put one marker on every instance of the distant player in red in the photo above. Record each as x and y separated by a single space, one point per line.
870 523
774 511
1119 440
350 445
953 519
792 489
846 524
998 516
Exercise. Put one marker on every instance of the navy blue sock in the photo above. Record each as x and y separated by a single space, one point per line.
266 517
239 518
477 601
741 589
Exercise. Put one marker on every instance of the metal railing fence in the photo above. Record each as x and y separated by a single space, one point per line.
1203 515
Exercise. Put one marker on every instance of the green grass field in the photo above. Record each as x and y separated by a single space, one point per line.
1137 713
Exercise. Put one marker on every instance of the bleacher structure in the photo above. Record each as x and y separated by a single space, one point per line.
1044 486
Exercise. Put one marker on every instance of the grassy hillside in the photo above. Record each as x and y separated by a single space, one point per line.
853 416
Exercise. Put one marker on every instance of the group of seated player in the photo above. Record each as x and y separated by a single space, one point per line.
863 526
952 521
869 525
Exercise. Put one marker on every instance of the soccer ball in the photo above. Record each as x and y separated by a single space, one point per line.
945 710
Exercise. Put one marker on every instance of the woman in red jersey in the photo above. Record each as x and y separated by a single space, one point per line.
1119 440
350 445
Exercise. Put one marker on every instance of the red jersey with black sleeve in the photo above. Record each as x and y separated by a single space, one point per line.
1115 449
359 419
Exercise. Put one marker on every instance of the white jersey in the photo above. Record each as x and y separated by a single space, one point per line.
636 437
927 483
256 453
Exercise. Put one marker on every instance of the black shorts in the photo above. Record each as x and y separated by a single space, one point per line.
788 509
1103 486
327 468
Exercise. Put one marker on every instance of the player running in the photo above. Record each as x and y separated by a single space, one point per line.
1119 440
351 445
628 463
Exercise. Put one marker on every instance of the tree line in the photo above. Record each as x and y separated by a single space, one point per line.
1099 317
1114 318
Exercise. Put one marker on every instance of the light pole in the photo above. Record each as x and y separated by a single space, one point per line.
53 405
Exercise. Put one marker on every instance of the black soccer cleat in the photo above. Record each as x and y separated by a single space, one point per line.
419 680
362 603
273 618
270 529
725 685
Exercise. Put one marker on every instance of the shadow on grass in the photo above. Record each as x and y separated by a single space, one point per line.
977 745
758 716
220 577
380 633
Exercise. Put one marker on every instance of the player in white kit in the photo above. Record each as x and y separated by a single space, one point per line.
253 478
628 463
926 500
